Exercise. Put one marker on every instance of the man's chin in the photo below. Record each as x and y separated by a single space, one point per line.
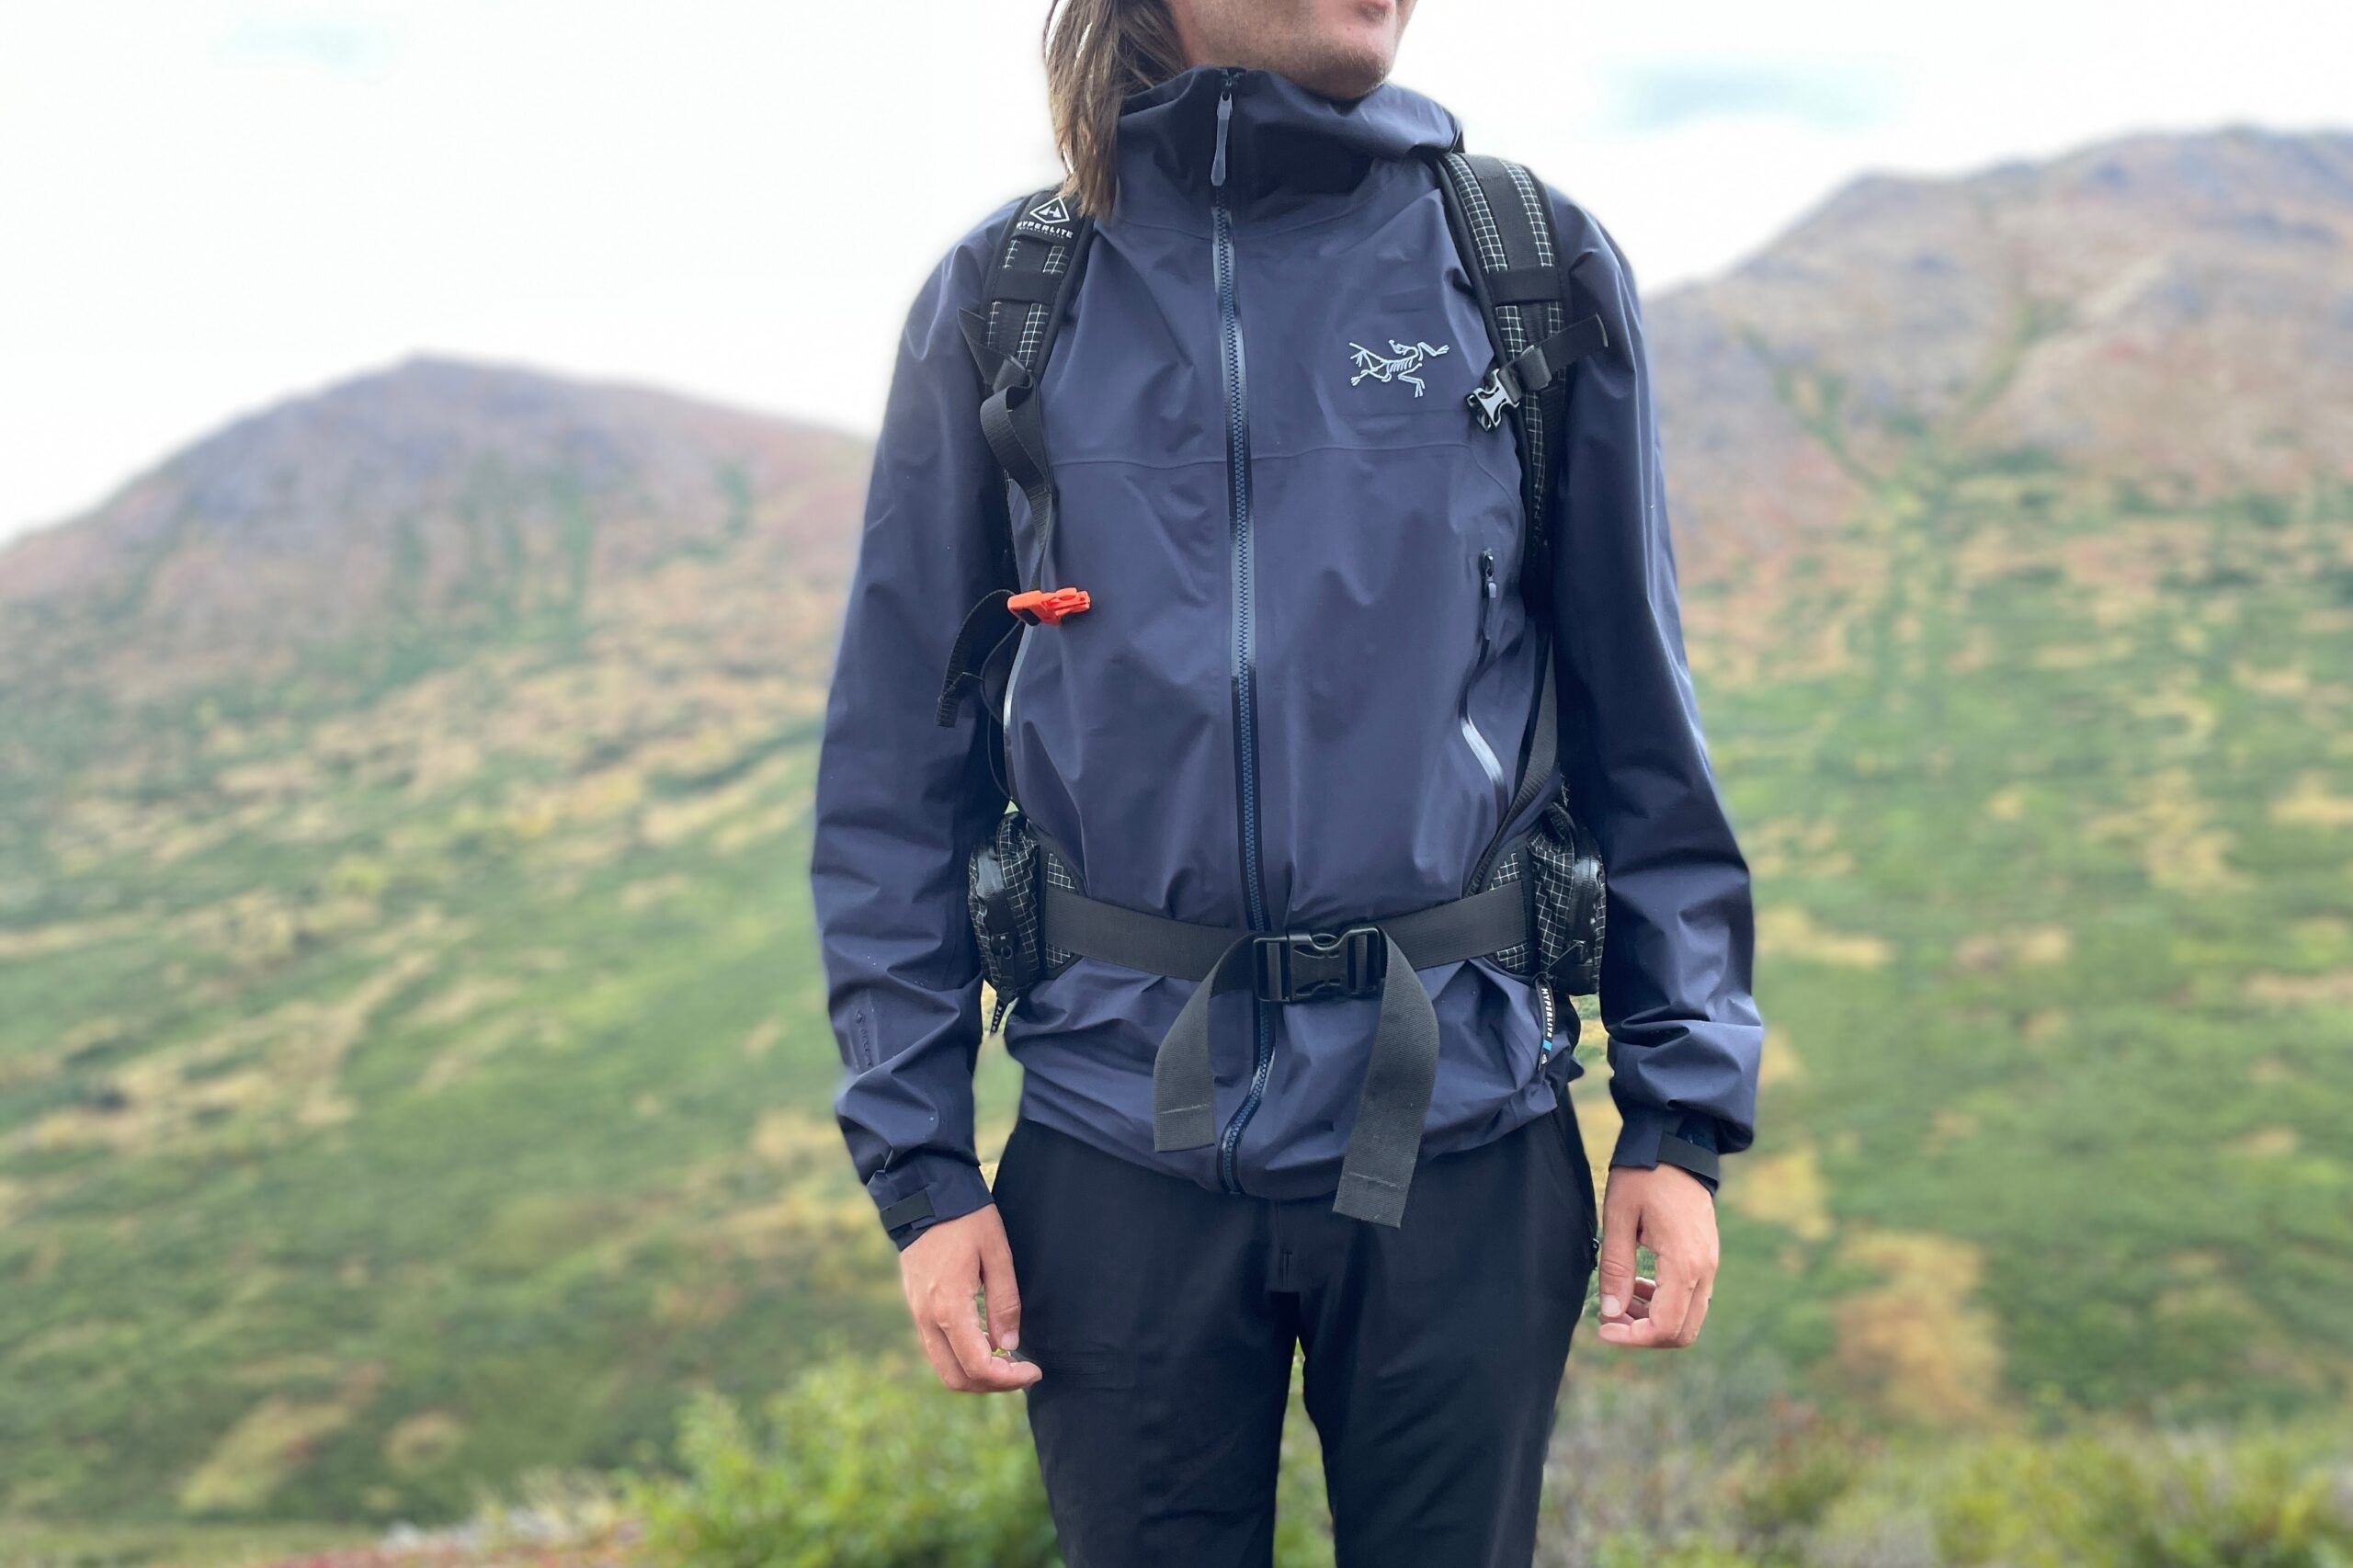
1350 75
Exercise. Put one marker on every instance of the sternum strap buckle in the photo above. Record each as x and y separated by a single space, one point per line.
1308 966
1492 396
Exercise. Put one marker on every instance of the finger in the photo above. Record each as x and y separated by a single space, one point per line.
1698 1312
1696 1258
1004 1294
1639 1305
1641 1334
1678 1282
1617 1265
1663 1321
982 1370
942 1359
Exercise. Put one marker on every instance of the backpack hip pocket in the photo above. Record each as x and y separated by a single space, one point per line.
1571 901
1558 865
1001 886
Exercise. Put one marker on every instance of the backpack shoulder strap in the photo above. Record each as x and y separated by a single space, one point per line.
1039 253
1502 224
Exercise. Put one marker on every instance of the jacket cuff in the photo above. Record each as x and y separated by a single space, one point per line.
1687 1139
924 1190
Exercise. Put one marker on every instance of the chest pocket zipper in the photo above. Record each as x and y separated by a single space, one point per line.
1489 591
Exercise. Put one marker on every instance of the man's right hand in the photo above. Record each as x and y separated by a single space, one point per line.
946 1273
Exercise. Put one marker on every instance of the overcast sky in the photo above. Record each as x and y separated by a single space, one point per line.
209 205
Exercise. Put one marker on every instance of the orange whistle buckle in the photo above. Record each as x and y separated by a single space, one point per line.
1047 605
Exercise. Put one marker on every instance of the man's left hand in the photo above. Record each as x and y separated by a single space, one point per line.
1665 1209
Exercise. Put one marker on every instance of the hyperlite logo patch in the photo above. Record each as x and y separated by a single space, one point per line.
1050 219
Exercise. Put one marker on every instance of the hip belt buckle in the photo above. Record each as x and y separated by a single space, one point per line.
1309 966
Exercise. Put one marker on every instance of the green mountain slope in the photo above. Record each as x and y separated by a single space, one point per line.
412 1058
411 1051
2052 813
2022 510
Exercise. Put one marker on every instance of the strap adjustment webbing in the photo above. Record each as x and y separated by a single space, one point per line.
985 627
1038 258
1010 421
1534 368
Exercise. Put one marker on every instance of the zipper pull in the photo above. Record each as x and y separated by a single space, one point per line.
1224 116
1489 591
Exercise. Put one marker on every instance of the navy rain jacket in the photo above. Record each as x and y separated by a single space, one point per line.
1261 721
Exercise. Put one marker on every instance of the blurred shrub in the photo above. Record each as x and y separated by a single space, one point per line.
1714 1468
859 1464
855 1466
2151 1502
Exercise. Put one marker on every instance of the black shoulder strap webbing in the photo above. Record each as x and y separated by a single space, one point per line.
1503 228
1040 251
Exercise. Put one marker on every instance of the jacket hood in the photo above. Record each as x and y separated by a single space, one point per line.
1288 147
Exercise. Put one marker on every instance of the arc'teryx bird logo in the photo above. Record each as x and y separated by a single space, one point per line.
1407 359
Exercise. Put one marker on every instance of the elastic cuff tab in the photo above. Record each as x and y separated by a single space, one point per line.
917 1205
1689 1156
928 1190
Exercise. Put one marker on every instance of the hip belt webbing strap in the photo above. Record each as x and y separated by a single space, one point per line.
1370 957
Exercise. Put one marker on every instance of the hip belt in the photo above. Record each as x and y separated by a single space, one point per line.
1369 958
1539 914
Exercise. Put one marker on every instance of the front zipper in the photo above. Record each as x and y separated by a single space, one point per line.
1246 736
1489 591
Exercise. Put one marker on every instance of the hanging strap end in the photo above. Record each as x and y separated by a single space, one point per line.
1370 1199
1183 1127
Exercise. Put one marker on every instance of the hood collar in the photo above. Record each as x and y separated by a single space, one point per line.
1288 147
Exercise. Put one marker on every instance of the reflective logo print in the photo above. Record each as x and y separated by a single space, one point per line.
1399 364
1050 220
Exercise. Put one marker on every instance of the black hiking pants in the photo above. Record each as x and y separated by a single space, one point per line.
1164 1317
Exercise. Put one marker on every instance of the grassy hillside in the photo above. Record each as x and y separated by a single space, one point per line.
364 1132
412 1058
2050 807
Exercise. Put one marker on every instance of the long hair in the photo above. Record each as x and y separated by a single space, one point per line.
1098 52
